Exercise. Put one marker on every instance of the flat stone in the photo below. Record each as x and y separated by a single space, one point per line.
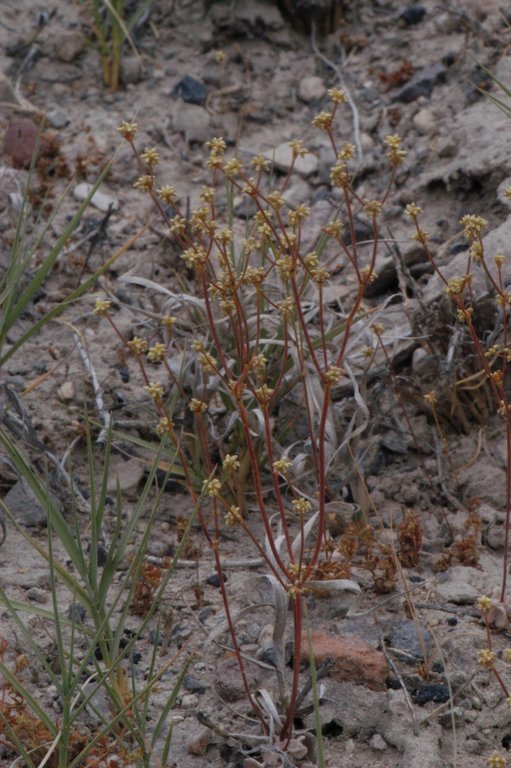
69 45
311 88
125 474
409 641
282 158
228 682
354 660
198 742
425 121
460 585
132 70
190 90
422 83
357 711
20 142
192 121
37 595
377 742
99 200
23 505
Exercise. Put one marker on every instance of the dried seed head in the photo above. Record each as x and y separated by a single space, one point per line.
233 516
282 465
338 95
211 487
198 406
155 390
102 306
323 121
487 658
167 194
150 157
165 427
144 183
412 210
137 346
128 130
231 462
156 353
473 226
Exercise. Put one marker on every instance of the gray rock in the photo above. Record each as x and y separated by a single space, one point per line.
99 200
354 708
425 121
228 682
58 119
69 45
422 83
125 474
282 157
409 641
386 271
377 742
37 595
311 88
460 585
191 120
132 70
24 506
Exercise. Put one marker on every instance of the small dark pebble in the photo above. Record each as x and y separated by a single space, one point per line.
431 692
268 654
506 741
438 667
192 683
124 373
76 613
452 621
393 683
457 248
412 15
136 657
190 90
214 581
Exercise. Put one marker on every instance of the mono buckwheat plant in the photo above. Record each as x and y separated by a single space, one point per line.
493 354
255 330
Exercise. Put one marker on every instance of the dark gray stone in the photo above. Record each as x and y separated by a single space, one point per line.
405 637
422 83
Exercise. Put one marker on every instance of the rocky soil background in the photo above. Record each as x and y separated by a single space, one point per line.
413 70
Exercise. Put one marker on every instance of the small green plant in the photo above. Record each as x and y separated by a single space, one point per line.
112 27
93 654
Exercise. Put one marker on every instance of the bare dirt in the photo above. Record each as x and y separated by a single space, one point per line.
414 74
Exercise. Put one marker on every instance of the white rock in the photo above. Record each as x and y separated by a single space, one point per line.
377 742
191 120
425 121
66 392
99 200
282 157
311 88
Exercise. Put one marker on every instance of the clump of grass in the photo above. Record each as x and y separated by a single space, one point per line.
112 26
93 654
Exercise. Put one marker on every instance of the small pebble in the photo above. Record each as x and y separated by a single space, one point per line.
412 15
37 595
99 200
199 742
214 580
189 700
66 392
377 742
431 692
193 684
190 90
